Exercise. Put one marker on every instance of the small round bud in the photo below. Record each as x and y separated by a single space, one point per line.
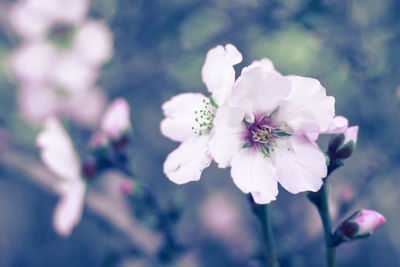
89 167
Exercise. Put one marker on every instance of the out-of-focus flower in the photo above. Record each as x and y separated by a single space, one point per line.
37 103
57 153
60 56
267 132
32 19
221 216
116 119
361 224
189 116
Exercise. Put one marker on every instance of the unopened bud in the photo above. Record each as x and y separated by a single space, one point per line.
341 146
116 119
127 187
99 141
89 167
361 224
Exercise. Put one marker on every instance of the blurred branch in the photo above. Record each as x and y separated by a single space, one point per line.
107 206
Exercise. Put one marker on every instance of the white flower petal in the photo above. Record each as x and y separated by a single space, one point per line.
180 115
93 42
57 151
116 118
339 125
187 162
33 62
228 135
73 74
300 165
252 172
71 11
68 212
87 107
27 21
265 63
37 103
307 110
259 92
218 72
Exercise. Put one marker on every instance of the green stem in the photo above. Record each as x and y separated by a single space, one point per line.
264 217
320 200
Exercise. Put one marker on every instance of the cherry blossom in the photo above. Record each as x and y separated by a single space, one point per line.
189 116
267 132
59 58
57 153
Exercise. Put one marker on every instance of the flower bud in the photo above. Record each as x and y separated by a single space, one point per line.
127 187
361 224
341 146
89 167
99 141
116 119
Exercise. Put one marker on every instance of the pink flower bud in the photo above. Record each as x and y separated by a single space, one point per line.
342 145
116 118
368 220
127 187
351 134
99 140
361 224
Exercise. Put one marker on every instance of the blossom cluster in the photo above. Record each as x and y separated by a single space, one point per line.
58 154
58 61
263 125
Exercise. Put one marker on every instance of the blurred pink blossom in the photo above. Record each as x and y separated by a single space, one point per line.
36 103
57 153
116 119
221 216
31 19
60 57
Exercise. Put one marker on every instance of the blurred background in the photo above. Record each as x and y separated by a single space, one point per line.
352 47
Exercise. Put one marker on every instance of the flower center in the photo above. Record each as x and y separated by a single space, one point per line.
61 35
204 118
262 134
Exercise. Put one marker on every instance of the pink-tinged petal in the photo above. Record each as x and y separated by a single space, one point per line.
73 74
57 151
218 72
339 125
264 63
254 173
228 135
68 212
93 42
116 119
259 92
33 62
368 220
307 110
87 107
37 103
27 22
186 163
350 134
300 165
180 115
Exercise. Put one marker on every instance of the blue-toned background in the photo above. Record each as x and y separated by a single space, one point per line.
352 47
